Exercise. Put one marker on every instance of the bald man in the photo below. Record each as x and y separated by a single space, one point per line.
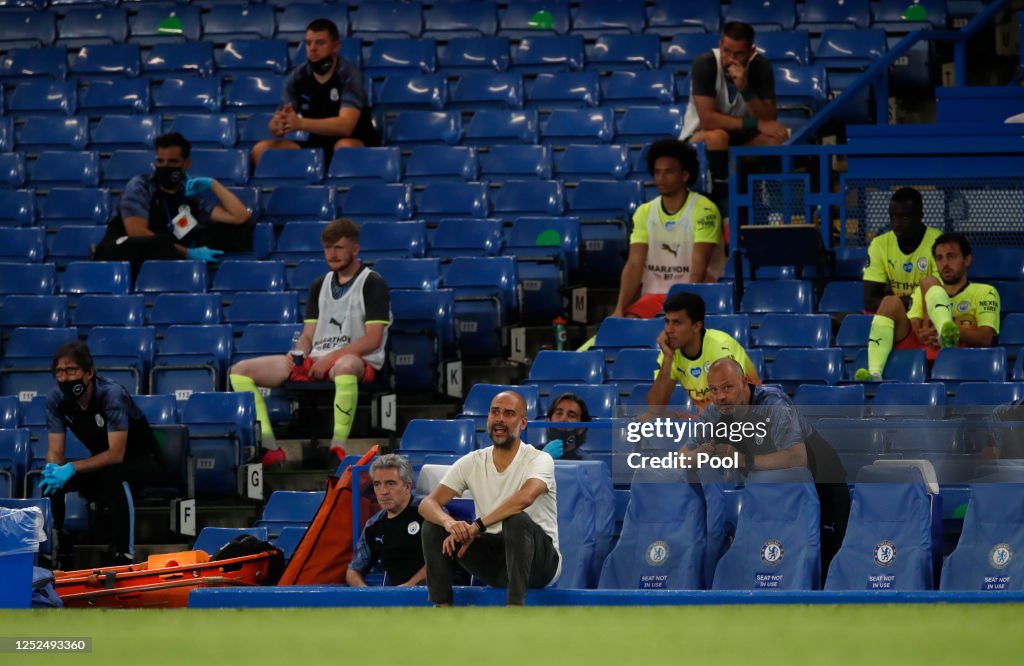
790 442
513 542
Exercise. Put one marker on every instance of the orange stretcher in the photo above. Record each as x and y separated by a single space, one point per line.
163 581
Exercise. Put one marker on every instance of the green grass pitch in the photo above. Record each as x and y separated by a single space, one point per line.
895 635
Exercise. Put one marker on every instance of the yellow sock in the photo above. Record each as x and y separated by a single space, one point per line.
346 395
879 343
938 304
241 383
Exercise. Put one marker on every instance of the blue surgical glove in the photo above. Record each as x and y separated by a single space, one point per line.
204 254
55 476
555 448
196 186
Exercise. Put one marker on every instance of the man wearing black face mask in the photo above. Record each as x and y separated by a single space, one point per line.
124 451
565 443
324 98
162 215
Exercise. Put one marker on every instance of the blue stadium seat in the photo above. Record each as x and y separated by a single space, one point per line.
108 310
251 21
250 93
806 366
73 206
816 401
821 15
288 508
191 59
850 262
603 17
421 336
718 298
299 242
251 307
992 533
904 365
300 202
629 88
777 544
423 274
489 127
986 395
643 124
801 88
145 19
464 237
403 57
114 96
83 27
190 358
261 339
451 199
411 91
123 165
528 197
624 52
1011 332
25 28
783 296
38 97
351 50
842 297
205 130
736 325
519 19
850 49
229 165
221 427
428 164
252 56
763 16
888 543
411 127
962 364
482 54
25 371
366 165
452 20
178 95
486 298
22 245
12 175
567 126
17 207
889 15
545 237
106 61
618 332
38 311
184 308
478 90
512 162
593 162
601 399
424 436
51 133
563 90
597 199
577 527
117 132
787 330
96 277
666 17
386 19
685 47
14 452
793 46
373 201
123 354
290 167
212 539
27 278
659 548
547 54
245 275
635 367
560 367
993 263
30 63
158 409
292 22
186 276
905 399
478 401
73 242
392 239
1011 296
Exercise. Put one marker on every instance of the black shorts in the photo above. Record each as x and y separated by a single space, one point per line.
364 131
742 136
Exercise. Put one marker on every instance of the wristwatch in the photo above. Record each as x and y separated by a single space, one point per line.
480 525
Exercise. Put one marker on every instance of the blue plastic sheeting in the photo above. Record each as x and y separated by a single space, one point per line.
341 597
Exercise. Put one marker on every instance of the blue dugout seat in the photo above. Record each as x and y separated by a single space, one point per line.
222 431
288 508
423 436
123 354
577 529
190 359
992 534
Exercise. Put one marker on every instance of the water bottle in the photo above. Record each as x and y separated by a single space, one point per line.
298 356
560 333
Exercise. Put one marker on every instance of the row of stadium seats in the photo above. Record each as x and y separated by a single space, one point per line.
74 27
843 49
